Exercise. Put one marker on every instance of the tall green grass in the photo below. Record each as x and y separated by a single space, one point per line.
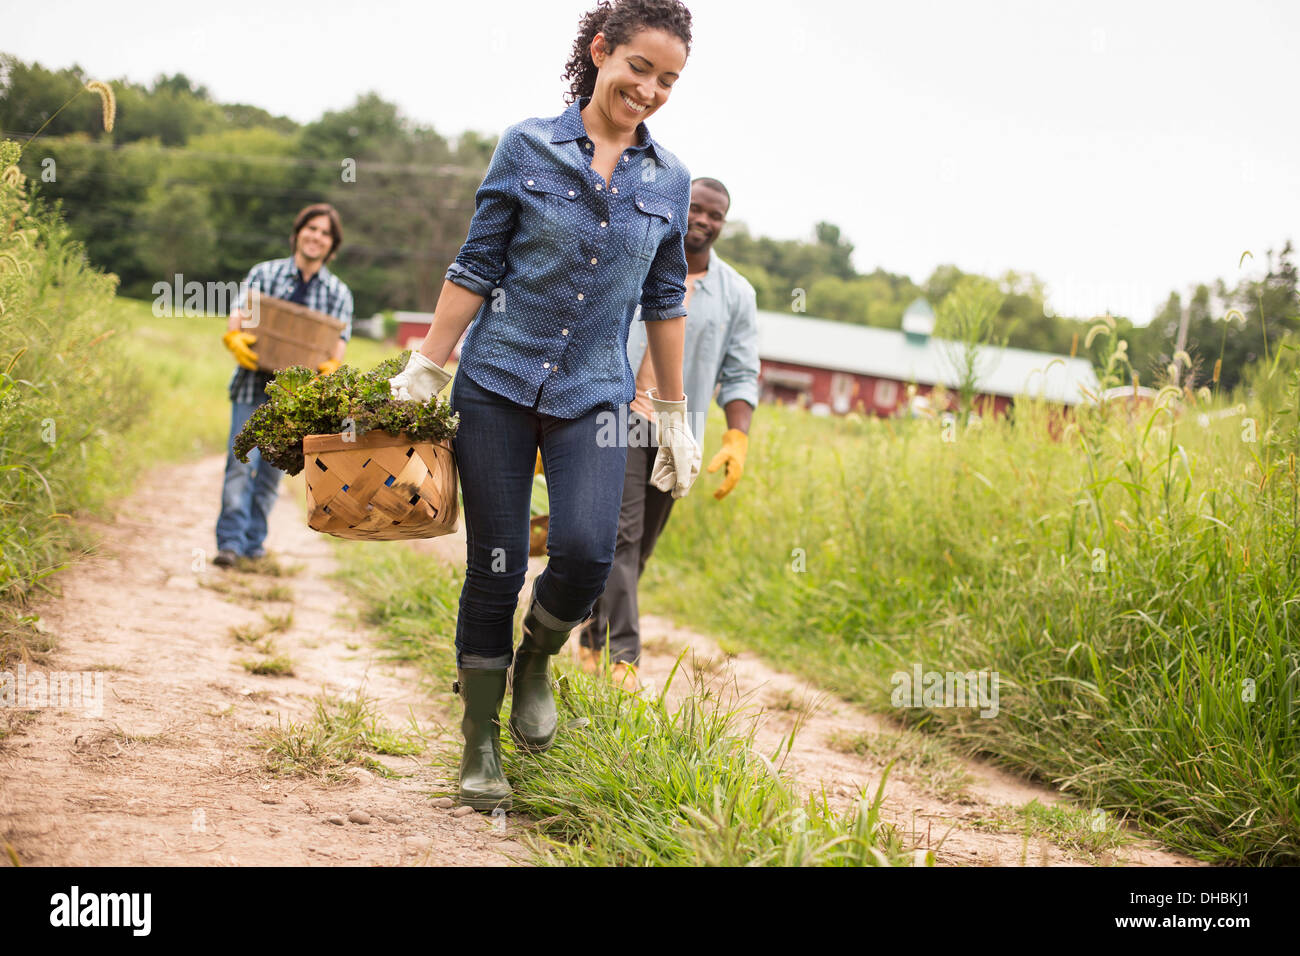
639 782
94 391
1133 583
630 781
66 395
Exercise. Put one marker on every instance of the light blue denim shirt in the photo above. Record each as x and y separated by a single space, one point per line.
565 261
721 345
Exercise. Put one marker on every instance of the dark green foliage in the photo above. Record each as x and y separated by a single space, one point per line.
235 176
211 188
71 402
304 403
1267 310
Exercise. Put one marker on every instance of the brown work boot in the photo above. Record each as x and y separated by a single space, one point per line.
623 676
589 660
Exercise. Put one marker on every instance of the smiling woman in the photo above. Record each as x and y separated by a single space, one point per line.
627 70
578 231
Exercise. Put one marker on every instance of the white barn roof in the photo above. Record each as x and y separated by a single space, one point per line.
889 353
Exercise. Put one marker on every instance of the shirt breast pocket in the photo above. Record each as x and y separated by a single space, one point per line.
652 220
548 205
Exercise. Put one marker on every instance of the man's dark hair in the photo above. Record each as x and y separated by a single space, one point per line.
713 184
310 213
620 22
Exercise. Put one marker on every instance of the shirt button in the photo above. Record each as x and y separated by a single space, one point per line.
613 189
588 145
546 365
603 224
625 157
580 297
564 331
640 204
572 193
593 260
530 182
598 187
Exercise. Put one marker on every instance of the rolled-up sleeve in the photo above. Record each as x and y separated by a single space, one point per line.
738 377
481 262
663 295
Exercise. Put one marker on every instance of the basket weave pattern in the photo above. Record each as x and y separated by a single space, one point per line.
291 334
380 487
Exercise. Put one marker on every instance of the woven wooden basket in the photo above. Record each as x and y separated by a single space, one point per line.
291 334
380 486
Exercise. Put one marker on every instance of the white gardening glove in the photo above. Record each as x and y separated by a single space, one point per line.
678 462
419 381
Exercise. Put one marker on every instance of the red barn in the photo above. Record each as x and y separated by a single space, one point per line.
837 367
412 327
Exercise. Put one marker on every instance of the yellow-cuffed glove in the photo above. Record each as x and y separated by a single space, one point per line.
238 342
329 366
735 445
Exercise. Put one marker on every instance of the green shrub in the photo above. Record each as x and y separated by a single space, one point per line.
67 397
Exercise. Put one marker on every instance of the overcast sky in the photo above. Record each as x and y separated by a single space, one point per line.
1117 149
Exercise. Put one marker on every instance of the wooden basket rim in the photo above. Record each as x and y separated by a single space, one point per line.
295 308
375 438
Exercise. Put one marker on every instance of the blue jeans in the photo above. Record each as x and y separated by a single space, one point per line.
248 492
496 451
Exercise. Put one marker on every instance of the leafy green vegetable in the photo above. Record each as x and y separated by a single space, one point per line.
303 403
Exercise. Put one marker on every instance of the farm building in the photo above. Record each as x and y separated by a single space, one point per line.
412 327
835 367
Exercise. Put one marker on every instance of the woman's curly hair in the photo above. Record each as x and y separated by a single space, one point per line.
620 22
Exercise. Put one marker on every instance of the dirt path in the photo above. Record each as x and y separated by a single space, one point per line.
170 772
965 809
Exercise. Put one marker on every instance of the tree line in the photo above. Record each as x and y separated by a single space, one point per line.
184 184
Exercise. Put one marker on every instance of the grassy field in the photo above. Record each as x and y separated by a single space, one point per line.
67 402
1133 585
697 792
95 390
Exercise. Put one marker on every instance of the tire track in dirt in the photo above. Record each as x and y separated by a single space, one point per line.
170 774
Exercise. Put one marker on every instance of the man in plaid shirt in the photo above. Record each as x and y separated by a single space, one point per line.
249 490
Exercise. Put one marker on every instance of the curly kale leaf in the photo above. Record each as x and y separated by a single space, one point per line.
303 403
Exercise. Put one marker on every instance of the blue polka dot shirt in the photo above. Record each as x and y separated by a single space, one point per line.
565 261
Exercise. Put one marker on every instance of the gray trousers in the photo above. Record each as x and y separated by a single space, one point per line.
643 515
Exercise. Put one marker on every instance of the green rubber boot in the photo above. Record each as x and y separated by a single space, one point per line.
532 711
483 785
